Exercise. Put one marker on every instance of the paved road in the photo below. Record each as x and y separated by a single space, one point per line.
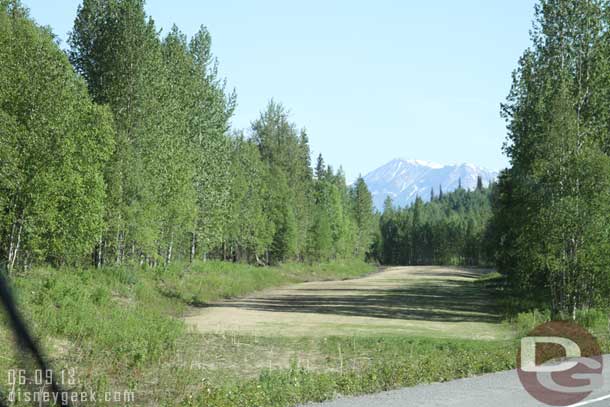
494 390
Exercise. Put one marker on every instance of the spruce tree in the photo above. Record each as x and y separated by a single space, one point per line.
479 183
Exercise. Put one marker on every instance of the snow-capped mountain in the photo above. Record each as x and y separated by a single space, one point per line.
404 180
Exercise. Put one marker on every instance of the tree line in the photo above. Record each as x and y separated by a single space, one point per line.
545 223
121 150
449 229
551 212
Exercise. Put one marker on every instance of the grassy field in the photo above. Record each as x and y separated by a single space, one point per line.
124 329
120 327
424 301
323 368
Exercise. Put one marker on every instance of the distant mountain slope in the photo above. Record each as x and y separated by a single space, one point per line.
404 180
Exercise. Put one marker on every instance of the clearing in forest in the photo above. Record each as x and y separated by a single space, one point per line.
428 301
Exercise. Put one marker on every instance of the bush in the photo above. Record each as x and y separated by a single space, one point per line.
593 319
526 321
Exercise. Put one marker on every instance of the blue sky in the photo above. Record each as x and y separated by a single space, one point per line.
370 81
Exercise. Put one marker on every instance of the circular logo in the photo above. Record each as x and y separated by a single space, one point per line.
559 363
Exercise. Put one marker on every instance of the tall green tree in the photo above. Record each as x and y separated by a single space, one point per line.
208 126
286 153
169 175
249 232
115 47
54 143
551 204
363 216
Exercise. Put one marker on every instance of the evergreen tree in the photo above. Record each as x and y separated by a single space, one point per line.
363 216
448 231
286 153
479 183
320 168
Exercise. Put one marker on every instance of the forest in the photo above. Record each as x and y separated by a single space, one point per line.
551 212
545 223
120 150
449 229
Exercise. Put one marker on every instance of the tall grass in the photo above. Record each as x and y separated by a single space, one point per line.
127 314
392 362
213 280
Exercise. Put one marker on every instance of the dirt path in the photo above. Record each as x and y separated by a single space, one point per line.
422 301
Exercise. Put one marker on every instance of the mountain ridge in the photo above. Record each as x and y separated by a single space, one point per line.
404 179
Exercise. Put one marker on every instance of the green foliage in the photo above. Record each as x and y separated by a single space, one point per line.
595 320
213 280
550 225
138 336
139 306
447 230
525 322
150 174
134 330
54 143
249 231
168 179
203 282
314 219
396 362
363 216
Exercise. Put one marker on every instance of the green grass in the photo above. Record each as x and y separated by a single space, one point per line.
213 280
524 314
358 366
120 328
118 324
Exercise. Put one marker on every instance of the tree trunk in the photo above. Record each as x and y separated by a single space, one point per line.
97 254
259 261
15 242
168 257
118 247
193 246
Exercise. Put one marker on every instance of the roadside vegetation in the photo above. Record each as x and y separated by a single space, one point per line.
363 365
525 314
126 196
118 324
140 343
550 224
449 229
